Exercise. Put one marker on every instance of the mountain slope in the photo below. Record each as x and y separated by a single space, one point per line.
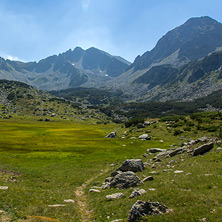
66 70
195 39
175 66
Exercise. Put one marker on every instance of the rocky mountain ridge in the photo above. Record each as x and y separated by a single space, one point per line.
67 70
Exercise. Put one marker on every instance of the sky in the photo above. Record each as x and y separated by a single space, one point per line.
32 30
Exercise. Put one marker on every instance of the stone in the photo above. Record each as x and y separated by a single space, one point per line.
105 185
155 150
3 188
57 205
108 179
144 137
147 123
137 192
145 155
177 151
111 135
178 171
203 149
143 208
151 189
114 196
69 201
117 220
47 120
94 191
125 180
149 178
135 165
113 174
140 125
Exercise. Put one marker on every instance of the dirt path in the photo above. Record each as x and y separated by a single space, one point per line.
86 215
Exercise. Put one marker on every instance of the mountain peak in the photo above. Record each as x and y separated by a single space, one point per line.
195 39
202 19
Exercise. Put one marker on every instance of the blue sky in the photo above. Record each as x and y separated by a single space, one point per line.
35 29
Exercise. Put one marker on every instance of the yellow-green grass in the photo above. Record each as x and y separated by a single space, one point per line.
42 163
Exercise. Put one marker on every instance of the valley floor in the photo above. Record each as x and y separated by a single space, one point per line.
47 169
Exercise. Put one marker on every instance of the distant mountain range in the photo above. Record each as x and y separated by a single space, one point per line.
67 70
185 64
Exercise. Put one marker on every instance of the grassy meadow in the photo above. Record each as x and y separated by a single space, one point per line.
42 163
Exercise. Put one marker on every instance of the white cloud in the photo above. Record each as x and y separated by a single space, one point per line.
12 58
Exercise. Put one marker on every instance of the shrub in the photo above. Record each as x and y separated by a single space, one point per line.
134 122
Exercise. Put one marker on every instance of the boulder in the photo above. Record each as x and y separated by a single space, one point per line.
203 149
140 125
155 150
144 137
114 196
135 165
125 180
143 208
137 192
111 135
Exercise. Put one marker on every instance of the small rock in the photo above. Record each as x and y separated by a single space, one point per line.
94 190
114 196
140 125
151 189
176 152
47 120
57 205
155 150
3 188
137 192
178 171
69 201
149 178
204 220
145 155
108 179
117 220
147 123
105 185
112 135
144 137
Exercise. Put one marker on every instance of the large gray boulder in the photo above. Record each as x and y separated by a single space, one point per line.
203 149
125 180
135 165
143 208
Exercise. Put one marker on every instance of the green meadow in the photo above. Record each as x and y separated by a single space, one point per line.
42 164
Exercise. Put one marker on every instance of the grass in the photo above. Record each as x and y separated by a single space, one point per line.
42 163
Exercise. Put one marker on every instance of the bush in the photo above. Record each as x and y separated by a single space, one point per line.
177 132
134 122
